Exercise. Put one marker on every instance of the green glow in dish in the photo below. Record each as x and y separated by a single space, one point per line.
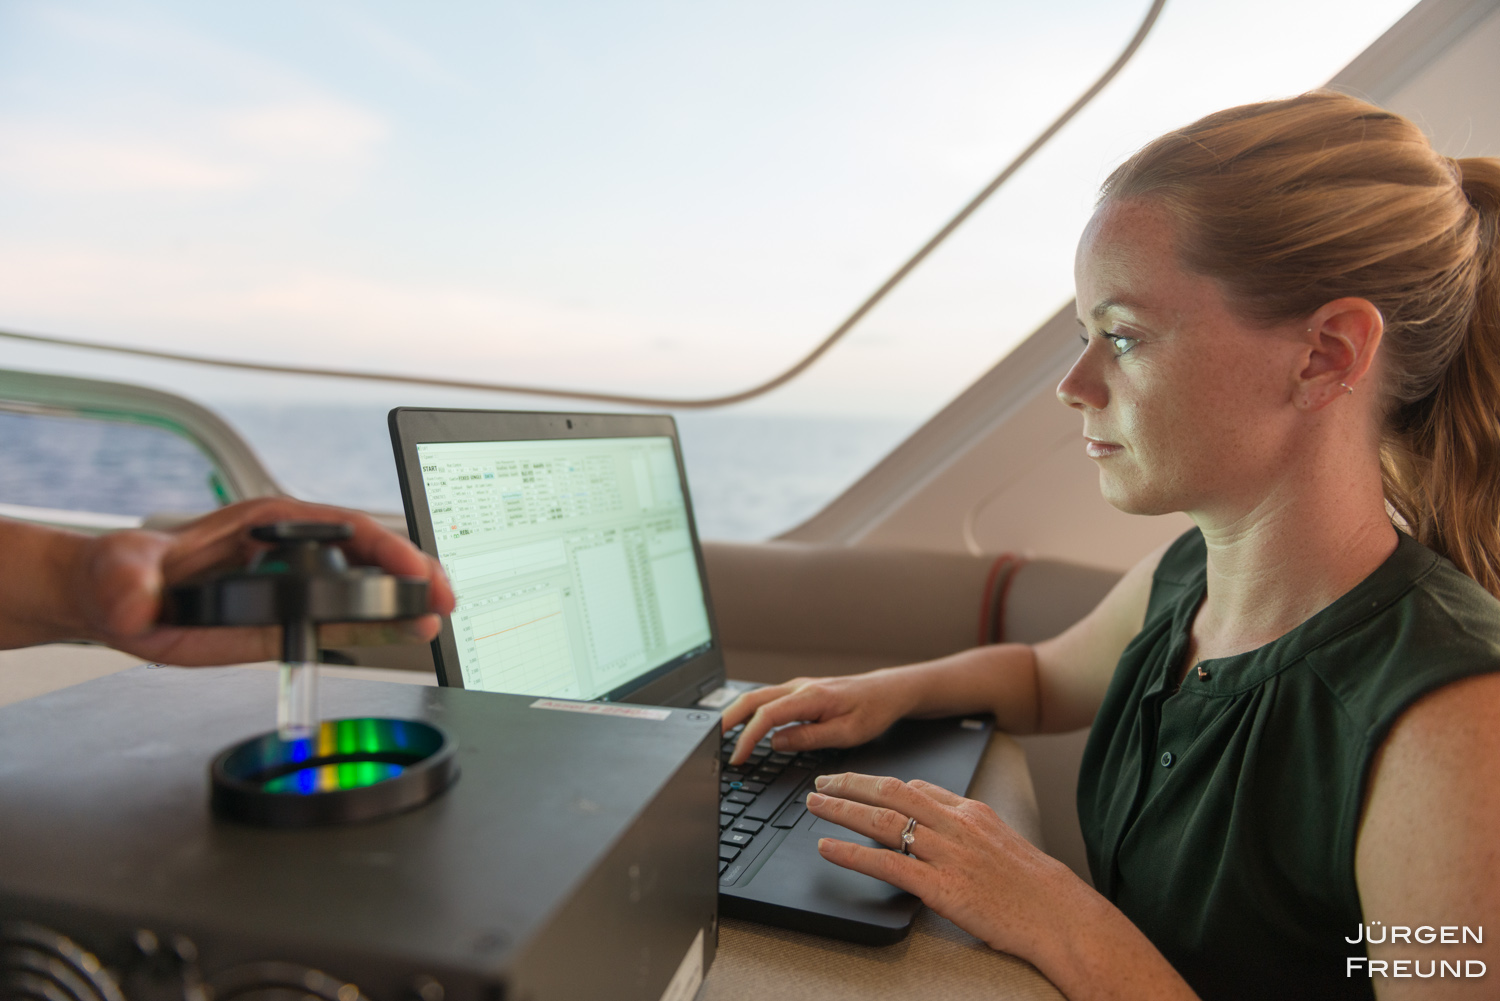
328 778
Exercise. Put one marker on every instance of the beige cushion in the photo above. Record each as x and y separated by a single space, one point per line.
892 605
1045 597
787 609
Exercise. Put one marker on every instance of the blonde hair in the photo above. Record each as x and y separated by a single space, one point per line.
1292 204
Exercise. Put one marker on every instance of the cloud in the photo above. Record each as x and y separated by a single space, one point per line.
125 105
54 160
393 48
313 128
202 149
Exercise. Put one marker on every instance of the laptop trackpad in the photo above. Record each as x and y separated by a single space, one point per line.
797 878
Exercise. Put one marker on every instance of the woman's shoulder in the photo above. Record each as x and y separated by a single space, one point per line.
1426 835
1428 625
1449 594
1446 618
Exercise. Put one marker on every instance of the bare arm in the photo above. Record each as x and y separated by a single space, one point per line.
33 588
57 585
1053 686
1428 853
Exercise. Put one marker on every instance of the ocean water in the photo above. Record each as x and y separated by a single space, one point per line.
100 466
751 476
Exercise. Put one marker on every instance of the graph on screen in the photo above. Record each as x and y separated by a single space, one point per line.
521 646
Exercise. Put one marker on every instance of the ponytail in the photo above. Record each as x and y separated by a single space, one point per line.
1441 457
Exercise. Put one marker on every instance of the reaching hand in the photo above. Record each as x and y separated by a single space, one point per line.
834 712
116 583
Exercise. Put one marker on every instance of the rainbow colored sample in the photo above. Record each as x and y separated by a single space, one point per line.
345 754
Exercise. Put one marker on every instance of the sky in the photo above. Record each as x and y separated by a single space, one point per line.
662 197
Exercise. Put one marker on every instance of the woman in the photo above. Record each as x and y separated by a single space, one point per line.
1291 319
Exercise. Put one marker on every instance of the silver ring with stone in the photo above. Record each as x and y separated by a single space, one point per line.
908 836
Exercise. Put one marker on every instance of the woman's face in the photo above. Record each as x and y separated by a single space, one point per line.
1185 407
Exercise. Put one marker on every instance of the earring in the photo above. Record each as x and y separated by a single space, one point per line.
1347 386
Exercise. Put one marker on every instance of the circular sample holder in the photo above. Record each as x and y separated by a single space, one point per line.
348 770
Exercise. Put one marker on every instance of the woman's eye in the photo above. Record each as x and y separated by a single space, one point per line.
1119 342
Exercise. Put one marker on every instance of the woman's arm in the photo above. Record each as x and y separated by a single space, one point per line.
57 585
1053 686
1428 853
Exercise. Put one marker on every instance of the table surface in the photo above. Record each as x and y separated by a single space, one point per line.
936 961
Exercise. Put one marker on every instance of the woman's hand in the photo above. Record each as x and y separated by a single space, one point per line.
114 584
966 863
969 866
835 712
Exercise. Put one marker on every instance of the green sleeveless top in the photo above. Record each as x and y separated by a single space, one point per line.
1221 817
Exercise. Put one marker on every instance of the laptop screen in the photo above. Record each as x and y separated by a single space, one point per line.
572 561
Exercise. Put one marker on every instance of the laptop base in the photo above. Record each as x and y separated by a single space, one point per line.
780 878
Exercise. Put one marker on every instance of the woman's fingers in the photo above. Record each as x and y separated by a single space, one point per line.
937 792
836 732
883 792
806 703
743 707
882 810
901 871
881 823
965 862
834 712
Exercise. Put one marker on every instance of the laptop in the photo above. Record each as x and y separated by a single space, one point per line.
570 543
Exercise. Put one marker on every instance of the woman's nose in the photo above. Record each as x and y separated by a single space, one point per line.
1081 388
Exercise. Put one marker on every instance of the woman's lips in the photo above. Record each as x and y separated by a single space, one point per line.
1099 449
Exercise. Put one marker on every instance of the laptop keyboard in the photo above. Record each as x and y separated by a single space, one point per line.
761 797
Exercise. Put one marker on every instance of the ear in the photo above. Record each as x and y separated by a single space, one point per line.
1341 339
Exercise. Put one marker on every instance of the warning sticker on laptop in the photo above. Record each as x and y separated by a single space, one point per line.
603 709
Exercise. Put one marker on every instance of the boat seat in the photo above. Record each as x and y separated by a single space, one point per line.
782 605
786 609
